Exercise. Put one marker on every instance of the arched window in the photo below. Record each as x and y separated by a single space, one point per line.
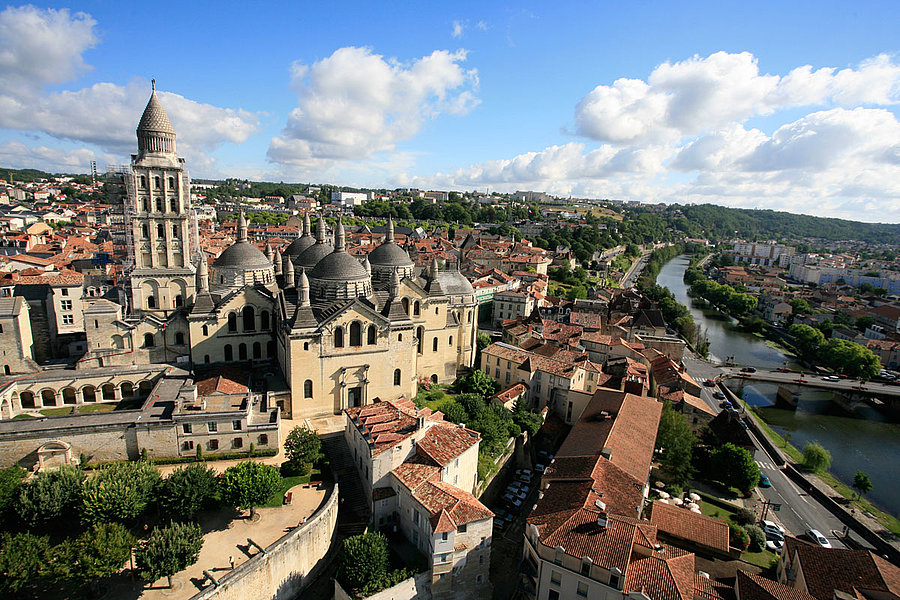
174 231
307 388
434 345
417 310
148 340
399 337
145 231
434 378
156 183
232 322
420 335
146 204
143 182
173 205
171 183
305 346
355 334
151 302
179 339
264 320
257 350
242 352
206 330
249 319
159 205
339 337
451 341
229 353
179 300
206 358
371 335
396 376
160 230
270 349
405 304
469 316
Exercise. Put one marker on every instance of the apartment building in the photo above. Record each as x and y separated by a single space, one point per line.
766 254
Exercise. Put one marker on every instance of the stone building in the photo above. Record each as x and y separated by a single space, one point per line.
343 331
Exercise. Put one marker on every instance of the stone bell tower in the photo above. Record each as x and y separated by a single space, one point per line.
158 215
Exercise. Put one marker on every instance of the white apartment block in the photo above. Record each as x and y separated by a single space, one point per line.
762 254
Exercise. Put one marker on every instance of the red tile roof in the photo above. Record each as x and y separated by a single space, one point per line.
755 587
684 524
223 381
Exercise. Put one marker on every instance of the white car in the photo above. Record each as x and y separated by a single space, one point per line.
831 378
774 545
818 538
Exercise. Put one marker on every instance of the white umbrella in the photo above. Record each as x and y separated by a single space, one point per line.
696 510
663 500
695 497
678 501
693 505
660 484
664 495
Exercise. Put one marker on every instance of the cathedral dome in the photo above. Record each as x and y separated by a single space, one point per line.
242 254
389 254
310 257
339 275
242 263
297 247
155 132
339 266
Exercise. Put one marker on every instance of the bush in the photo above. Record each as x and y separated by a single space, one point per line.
737 537
293 469
744 516
756 537
362 561
120 492
815 457
52 498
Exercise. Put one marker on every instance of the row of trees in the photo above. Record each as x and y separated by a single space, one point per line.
843 356
736 303
64 529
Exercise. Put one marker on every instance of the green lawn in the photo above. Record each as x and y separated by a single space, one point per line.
23 416
711 510
95 408
277 497
53 412
760 559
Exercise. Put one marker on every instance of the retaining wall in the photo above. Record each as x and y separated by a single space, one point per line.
285 567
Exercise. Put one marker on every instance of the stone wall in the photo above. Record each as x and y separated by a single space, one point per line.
283 569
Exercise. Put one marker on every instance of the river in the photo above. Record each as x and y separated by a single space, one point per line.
862 441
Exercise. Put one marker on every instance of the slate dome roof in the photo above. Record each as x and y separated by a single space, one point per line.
454 282
389 254
310 257
155 117
339 266
300 244
242 254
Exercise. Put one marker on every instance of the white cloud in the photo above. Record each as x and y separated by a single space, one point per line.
457 29
42 47
688 97
354 103
20 156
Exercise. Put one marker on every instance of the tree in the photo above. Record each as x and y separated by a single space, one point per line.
850 358
735 467
11 479
98 552
302 446
676 440
737 536
22 560
863 323
806 338
51 498
528 420
744 516
815 457
862 484
169 550
477 382
800 306
120 492
453 411
249 484
362 561
188 490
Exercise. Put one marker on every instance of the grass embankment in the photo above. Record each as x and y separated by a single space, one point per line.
888 521
277 497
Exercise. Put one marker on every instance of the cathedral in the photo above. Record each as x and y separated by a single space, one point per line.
342 332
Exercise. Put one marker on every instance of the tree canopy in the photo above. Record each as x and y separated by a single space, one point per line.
169 550
249 484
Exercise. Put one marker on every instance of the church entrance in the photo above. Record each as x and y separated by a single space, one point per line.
354 397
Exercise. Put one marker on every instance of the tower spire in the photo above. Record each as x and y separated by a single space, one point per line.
339 237
303 288
390 230
320 231
288 272
242 228
307 226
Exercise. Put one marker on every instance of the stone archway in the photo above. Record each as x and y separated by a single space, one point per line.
48 397
54 454
69 396
26 399
108 391
144 388
88 394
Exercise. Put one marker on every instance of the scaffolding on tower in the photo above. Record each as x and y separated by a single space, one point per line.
123 174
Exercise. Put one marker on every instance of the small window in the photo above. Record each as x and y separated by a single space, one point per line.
145 231
263 439
186 428
450 341
159 205
213 427
143 182
179 339
187 446
461 529
355 334
434 344
339 337
205 330
206 358
64 291
236 425
229 353
232 322
444 536
160 230
371 335
582 589
148 340
399 337
555 577
171 183
156 183
175 231
213 444
146 204
396 376
586 569
417 309
308 388
237 443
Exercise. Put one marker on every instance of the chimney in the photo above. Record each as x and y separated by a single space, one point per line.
606 453
420 422
602 520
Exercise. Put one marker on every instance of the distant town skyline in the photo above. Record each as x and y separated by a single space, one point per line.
789 107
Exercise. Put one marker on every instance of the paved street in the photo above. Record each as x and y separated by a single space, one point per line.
810 380
799 512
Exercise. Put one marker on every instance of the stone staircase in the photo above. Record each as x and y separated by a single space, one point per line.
353 516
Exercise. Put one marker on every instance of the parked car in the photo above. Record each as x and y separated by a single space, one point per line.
818 538
831 378
725 404
709 382
764 481
774 545
748 370
718 395
773 531
539 468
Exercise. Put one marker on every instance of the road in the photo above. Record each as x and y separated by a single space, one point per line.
635 271
799 511
810 380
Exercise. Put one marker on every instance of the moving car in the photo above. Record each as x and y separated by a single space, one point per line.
818 538
748 370
709 382
831 378
764 481
718 395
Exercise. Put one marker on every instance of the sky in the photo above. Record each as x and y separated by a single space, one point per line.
783 105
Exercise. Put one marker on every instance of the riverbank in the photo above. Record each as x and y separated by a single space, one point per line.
870 445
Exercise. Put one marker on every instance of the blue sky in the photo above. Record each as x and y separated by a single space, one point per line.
651 101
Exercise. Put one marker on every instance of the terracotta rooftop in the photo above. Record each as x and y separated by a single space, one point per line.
223 381
686 525
756 587
443 444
